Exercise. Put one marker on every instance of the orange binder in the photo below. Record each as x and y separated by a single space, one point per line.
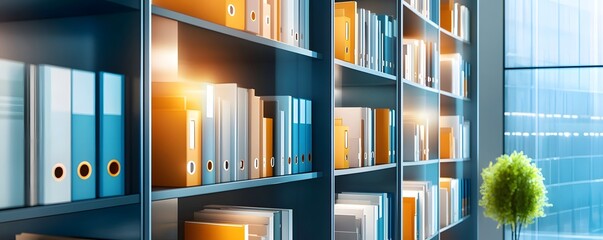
446 7
446 143
410 207
176 143
342 37
215 231
267 147
382 138
349 11
230 13
342 151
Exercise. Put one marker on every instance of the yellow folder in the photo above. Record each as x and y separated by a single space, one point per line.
215 231
230 13
267 165
410 207
346 12
382 138
446 143
342 150
176 143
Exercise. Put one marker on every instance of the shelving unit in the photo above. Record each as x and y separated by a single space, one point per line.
117 36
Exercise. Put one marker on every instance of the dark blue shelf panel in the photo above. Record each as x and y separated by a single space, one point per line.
162 194
454 224
65 208
22 10
241 35
350 171
351 75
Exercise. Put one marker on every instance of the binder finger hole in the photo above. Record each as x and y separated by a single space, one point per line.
296 160
267 20
226 165
58 172
242 165
210 165
84 170
253 16
289 160
113 168
303 158
272 162
256 163
309 157
231 10
191 167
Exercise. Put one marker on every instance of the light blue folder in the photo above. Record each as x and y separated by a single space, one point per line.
302 136
111 128
83 135
209 138
54 119
295 138
309 135
12 134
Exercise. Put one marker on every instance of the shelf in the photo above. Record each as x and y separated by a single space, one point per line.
351 75
43 9
454 96
420 163
454 224
350 171
434 236
419 86
454 37
66 208
455 160
237 34
169 193
419 15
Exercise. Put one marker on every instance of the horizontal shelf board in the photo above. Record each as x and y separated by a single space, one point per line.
355 75
66 208
450 95
418 14
452 36
455 160
244 36
420 163
434 236
22 10
170 193
419 86
454 224
349 171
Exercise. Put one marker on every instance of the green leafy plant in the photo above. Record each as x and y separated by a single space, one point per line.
513 192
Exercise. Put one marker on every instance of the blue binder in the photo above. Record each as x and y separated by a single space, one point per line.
208 159
54 124
111 135
12 137
309 135
295 138
302 136
83 135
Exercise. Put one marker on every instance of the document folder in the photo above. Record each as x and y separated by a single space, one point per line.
83 135
111 128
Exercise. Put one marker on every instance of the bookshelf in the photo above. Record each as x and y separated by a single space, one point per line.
117 36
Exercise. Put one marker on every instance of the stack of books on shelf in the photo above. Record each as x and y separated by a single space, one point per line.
455 19
364 137
244 223
455 200
420 60
75 134
422 6
363 216
416 139
365 38
213 133
419 208
454 137
287 21
455 74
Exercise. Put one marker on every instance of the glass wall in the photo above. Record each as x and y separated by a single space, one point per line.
554 108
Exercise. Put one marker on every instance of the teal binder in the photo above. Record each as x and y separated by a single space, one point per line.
12 137
303 149
83 135
309 135
111 135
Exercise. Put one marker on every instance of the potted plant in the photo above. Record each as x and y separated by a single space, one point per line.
513 192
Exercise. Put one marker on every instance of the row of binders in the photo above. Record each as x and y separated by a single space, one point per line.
455 200
287 21
364 137
455 19
416 139
213 133
422 6
363 216
455 74
365 38
240 223
454 137
420 60
63 129
419 203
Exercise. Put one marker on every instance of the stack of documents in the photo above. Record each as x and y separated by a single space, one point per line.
236 222
420 210
420 60
364 216
455 74
454 137
364 137
415 138
364 38
454 200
